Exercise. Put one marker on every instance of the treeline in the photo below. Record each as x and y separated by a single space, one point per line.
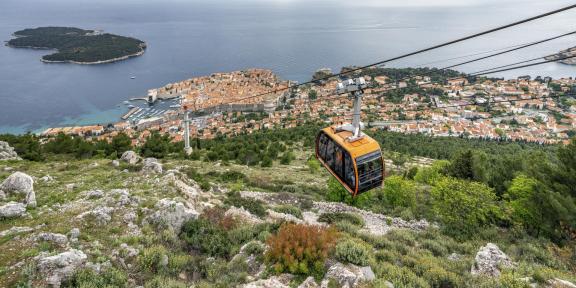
72 45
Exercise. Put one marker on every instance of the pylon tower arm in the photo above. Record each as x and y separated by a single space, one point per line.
356 90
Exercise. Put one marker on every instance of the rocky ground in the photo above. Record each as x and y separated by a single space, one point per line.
62 216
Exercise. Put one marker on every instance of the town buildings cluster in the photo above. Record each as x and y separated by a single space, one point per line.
522 109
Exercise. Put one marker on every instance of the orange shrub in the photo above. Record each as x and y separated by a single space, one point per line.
301 249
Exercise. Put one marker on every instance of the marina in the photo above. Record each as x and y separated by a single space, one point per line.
140 110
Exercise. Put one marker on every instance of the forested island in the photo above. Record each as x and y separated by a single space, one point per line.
78 46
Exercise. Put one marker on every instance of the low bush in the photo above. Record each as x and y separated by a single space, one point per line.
150 259
289 209
353 251
254 206
110 277
437 248
300 249
332 218
206 237
164 282
399 276
254 247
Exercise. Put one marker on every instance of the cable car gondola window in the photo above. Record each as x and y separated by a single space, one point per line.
339 161
330 154
369 171
322 145
350 177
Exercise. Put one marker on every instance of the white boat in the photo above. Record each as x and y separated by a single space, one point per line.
133 77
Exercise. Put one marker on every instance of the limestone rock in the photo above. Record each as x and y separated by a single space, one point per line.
7 152
15 230
115 163
94 194
454 257
31 199
274 216
349 275
186 189
151 165
19 183
100 215
74 234
488 259
60 267
172 213
309 283
131 157
47 178
55 238
559 283
243 215
280 281
12 210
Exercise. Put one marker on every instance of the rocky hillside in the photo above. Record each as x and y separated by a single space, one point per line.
137 222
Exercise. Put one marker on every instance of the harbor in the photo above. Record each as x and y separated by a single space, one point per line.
140 109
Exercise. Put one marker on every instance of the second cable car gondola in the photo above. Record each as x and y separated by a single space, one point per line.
354 158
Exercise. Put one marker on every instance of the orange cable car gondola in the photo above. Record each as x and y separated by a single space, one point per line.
352 157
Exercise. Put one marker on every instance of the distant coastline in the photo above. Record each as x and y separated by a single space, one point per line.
570 52
78 46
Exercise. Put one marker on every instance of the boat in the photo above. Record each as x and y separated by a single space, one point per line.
133 77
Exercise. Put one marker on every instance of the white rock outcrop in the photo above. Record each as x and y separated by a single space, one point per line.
100 215
280 281
171 213
7 152
12 210
60 267
151 165
18 183
131 157
55 238
488 260
559 283
243 215
350 275
16 230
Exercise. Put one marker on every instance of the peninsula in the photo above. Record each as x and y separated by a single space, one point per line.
78 46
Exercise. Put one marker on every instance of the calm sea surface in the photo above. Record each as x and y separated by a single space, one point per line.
292 37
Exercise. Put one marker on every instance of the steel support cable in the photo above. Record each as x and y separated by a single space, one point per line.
476 35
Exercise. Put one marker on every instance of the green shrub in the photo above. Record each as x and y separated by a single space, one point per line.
463 206
110 277
254 247
438 277
398 192
150 259
289 209
399 276
164 282
353 251
254 206
332 218
435 247
206 237
178 262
